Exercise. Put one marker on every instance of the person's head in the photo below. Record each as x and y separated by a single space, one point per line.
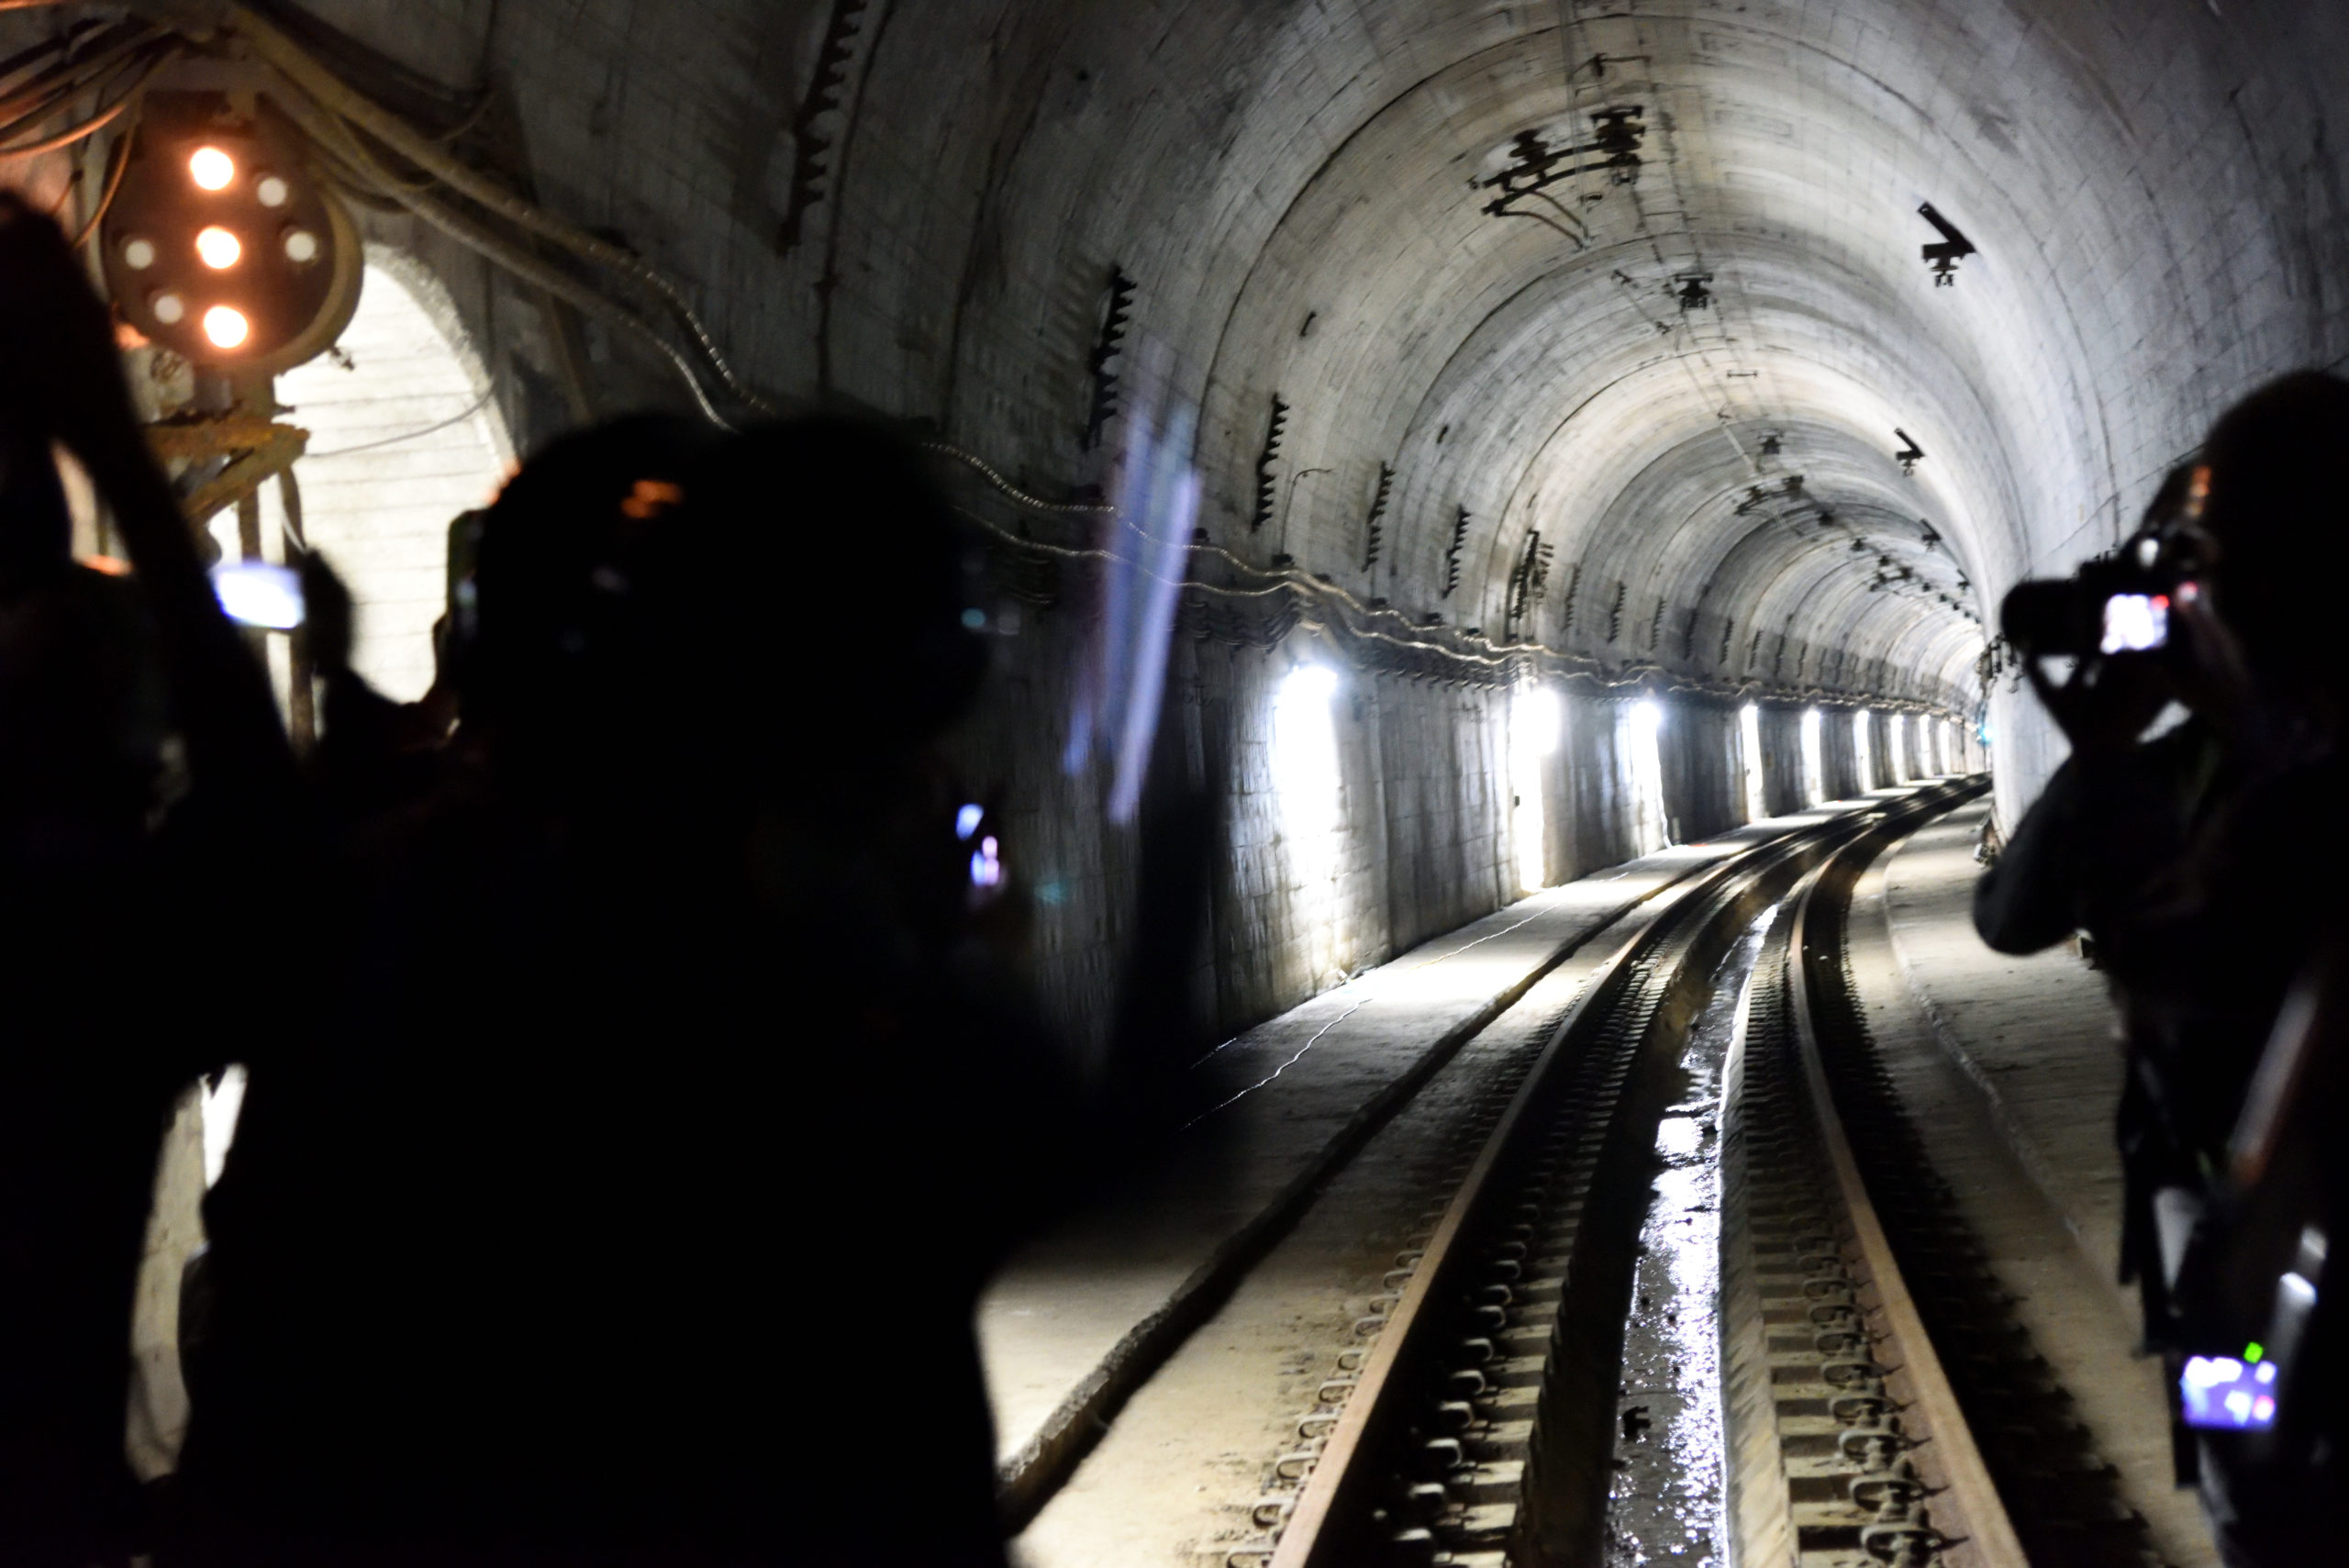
556 665
2273 504
825 592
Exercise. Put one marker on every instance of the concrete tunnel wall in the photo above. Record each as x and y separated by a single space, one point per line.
928 232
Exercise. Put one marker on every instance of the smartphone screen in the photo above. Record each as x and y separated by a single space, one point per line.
2136 623
257 592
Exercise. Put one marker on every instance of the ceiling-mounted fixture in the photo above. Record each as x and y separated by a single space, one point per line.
1535 163
1911 453
221 244
1692 294
1954 247
1773 444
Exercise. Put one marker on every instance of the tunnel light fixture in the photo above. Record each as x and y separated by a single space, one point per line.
1651 827
1311 683
1814 762
1749 735
1308 803
1535 720
1536 726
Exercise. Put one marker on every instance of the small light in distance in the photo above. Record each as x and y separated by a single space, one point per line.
138 253
967 820
301 247
211 169
986 864
272 191
219 248
169 308
225 327
258 593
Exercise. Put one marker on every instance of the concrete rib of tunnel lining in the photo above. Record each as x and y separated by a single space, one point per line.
2149 187
1835 339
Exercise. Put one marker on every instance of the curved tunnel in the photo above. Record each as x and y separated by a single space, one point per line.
1599 328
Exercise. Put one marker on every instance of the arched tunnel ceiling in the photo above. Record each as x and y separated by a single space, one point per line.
1301 192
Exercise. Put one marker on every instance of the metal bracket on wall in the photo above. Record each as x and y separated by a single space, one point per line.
1107 348
256 448
826 91
1267 489
1373 528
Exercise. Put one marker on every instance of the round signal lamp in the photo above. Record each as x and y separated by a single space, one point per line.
211 169
223 243
225 327
219 248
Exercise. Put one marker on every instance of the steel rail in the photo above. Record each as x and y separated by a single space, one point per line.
1328 1527
1967 1510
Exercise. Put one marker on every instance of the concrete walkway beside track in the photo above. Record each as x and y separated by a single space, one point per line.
1078 1320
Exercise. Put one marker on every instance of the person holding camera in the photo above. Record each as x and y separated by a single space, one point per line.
129 886
2206 867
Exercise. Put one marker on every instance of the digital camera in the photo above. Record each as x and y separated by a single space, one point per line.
2114 604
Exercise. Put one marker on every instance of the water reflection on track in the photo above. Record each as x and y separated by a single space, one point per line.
1666 1501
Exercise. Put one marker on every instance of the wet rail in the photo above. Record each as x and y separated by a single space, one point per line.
1481 1424
1847 1443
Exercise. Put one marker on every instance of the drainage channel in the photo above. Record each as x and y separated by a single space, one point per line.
1665 1502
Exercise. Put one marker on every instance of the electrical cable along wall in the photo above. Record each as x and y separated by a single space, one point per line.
1699 356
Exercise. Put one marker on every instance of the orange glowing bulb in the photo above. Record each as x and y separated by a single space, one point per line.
211 169
225 327
219 248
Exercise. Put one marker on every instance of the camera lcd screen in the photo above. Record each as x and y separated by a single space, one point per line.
2227 1392
2136 623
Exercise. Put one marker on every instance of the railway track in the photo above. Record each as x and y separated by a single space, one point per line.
1490 1416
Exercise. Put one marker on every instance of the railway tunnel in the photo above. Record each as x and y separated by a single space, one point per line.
1532 468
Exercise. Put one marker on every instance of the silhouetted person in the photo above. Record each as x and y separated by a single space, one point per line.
664 1104
2229 891
106 926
